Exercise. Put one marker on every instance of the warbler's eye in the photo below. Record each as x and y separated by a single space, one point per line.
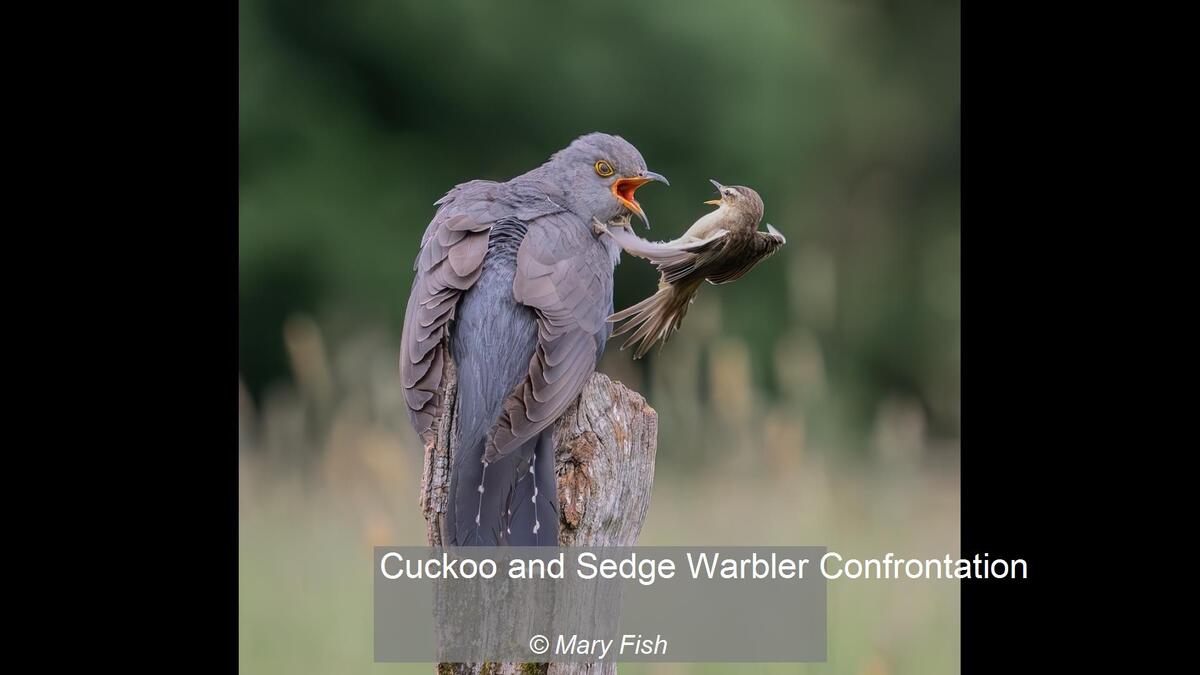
603 168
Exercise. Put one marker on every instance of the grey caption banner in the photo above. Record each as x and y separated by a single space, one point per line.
542 604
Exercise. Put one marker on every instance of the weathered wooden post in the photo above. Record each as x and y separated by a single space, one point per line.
605 446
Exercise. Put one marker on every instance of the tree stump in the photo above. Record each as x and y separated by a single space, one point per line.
605 445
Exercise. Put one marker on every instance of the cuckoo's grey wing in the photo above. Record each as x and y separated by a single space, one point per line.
762 246
451 259
565 275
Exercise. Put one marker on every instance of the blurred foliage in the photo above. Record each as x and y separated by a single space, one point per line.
356 115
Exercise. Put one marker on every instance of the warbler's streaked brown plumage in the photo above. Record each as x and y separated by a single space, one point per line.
720 247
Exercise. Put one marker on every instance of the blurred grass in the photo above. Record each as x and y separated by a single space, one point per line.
331 469
306 582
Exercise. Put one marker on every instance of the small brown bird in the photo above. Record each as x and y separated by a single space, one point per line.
719 248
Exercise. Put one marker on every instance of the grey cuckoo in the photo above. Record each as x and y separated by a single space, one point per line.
514 282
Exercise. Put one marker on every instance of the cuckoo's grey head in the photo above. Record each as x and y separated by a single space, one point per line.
599 174
743 203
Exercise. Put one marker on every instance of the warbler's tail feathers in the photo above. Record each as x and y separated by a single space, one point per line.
654 319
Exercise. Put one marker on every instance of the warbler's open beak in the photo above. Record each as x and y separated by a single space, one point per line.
623 189
718 200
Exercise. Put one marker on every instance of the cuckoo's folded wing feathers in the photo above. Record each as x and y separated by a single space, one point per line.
446 266
566 278
453 249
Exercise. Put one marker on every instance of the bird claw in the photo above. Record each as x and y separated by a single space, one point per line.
599 228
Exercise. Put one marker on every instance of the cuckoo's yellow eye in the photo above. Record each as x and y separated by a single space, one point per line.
603 168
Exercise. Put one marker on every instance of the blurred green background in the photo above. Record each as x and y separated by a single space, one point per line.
816 401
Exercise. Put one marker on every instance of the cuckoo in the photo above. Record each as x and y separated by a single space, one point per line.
515 285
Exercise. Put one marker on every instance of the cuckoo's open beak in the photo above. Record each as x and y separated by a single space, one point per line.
623 189
717 201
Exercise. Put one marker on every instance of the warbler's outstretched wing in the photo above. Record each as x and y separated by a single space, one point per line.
762 246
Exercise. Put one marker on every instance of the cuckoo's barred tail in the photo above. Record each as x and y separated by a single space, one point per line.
654 319
532 512
478 494
512 501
